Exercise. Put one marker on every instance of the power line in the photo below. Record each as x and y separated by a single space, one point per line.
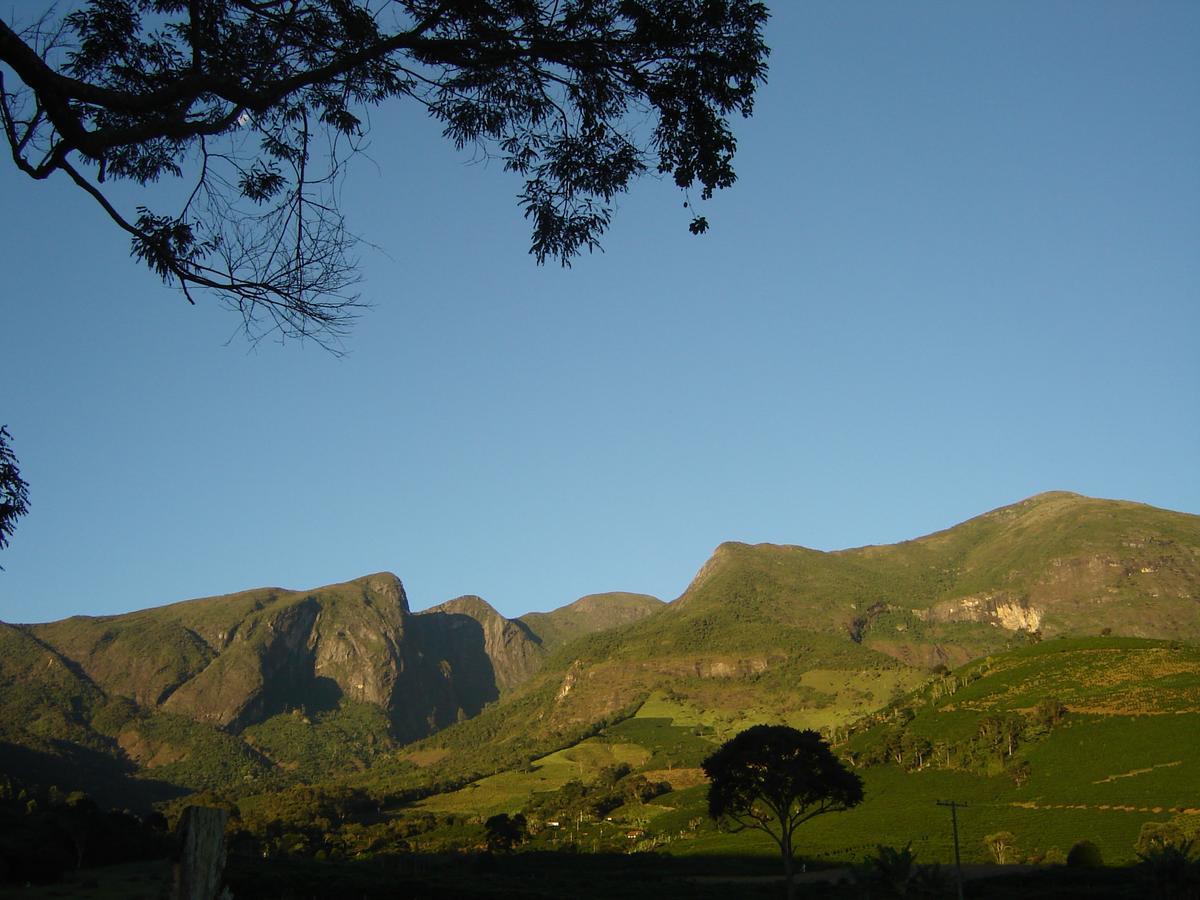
954 806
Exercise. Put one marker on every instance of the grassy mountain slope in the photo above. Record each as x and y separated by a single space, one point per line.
587 615
42 693
264 686
818 639
1123 753
1057 562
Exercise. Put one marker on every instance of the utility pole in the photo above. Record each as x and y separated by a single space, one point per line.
954 805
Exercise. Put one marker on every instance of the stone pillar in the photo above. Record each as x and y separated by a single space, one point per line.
201 865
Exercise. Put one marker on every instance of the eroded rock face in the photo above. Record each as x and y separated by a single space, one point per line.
511 649
1001 610
236 660
267 664
357 642
569 681
231 661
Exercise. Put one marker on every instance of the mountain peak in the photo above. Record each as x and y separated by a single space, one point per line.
469 605
384 585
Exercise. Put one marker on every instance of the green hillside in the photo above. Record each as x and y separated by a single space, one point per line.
1081 564
265 690
587 615
257 690
1125 755
818 639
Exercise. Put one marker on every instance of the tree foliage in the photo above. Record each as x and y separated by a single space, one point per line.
1001 845
14 492
774 778
258 104
504 832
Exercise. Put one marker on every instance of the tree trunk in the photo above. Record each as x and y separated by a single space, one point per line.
789 866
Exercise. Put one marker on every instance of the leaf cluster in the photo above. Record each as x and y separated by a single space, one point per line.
258 103
14 492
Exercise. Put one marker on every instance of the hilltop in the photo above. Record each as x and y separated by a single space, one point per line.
595 612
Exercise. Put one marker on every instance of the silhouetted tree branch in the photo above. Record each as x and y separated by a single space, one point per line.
14 492
260 102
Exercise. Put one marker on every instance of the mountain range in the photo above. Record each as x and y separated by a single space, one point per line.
275 684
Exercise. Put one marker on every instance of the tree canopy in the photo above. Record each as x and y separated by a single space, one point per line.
257 105
504 832
774 778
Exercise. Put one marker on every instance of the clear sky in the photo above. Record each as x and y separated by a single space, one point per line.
961 266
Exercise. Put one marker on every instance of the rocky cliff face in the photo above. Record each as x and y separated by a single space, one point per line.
466 623
237 660
1001 610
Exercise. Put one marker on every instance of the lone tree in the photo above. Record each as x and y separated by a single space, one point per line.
14 492
257 104
503 832
773 778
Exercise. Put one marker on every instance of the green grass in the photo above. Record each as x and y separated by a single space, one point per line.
1110 674
510 791
1095 777
901 807
1140 761
668 744
683 714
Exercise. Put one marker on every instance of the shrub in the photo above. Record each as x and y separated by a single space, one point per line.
1054 857
1171 872
889 871
1085 854
1157 835
1001 846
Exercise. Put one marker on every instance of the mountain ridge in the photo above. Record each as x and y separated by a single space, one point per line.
762 630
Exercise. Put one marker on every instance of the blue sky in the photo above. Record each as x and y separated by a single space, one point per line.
961 266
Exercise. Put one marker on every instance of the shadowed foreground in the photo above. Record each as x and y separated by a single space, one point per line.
545 875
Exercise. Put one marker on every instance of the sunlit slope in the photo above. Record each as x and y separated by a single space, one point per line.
1121 752
41 694
820 639
768 625
587 615
1055 563
235 660
272 684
